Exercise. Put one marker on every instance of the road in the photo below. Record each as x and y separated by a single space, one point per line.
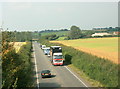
62 76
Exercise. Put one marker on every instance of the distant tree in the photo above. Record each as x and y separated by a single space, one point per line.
51 37
75 32
87 33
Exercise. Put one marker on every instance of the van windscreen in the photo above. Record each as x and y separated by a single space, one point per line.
57 50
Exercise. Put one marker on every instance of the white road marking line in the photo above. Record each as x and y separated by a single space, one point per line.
75 76
36 68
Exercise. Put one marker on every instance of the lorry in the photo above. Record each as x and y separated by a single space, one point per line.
56 55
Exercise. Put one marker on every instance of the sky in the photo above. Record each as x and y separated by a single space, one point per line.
37 16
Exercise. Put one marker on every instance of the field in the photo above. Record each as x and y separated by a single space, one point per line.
17 45
102 47
57 33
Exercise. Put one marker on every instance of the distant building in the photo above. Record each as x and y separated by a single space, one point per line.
116 33
100 34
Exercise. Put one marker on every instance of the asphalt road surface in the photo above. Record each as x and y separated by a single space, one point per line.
62 76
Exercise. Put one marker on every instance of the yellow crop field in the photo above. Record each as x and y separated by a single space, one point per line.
101 47
17 45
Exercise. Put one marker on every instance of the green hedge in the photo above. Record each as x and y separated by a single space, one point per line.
25 74
96 68
17 68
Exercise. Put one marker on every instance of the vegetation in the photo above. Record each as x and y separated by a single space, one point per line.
61 38
15 66
87 33
99 69
51 37
75 33
25 75
17 46
21 36
62 32
58 33
36 35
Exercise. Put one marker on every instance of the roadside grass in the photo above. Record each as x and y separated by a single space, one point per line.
102 47
94 83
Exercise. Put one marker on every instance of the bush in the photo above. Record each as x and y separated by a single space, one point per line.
25 74
17 68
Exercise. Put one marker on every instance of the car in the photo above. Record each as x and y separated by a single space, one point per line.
43 46
46 50
45 73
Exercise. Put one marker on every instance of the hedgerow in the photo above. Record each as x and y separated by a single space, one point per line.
25 74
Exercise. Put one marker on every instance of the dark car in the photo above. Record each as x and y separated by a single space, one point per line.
45 73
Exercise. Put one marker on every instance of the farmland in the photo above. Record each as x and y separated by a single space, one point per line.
18 45
59 33
102 47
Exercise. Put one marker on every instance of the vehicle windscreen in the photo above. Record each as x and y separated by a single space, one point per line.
57 50
43 46
58 60
47 50
45 71
57 57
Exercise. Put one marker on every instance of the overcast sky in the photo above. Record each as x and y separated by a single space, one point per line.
58 15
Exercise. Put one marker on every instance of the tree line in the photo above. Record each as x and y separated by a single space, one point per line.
74 33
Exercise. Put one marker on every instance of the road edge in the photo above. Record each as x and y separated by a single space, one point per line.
36 67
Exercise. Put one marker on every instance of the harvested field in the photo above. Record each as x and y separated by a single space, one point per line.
102 47
17 45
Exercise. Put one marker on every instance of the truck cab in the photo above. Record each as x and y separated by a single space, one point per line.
55 49
57 59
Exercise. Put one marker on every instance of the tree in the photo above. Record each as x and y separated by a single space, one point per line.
75 32
15 66
9 61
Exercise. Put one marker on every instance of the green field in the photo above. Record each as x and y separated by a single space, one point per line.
60 33
102 47
61 38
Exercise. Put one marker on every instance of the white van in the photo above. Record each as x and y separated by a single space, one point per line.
43 46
